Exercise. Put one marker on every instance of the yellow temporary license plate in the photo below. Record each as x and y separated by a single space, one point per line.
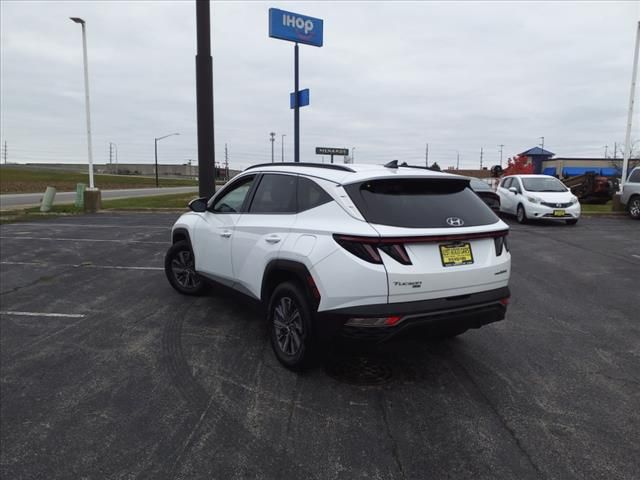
456 254
558 213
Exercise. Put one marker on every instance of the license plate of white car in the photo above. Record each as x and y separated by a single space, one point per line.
456 254
558 213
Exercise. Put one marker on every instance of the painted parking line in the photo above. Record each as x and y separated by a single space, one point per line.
637 256
82 265
47 224
43 314
57 239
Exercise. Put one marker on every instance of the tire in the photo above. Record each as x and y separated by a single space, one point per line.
521 215
572 221
634 207
179 267
291 327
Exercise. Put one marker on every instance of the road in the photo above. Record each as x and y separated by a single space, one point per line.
106 372
21 200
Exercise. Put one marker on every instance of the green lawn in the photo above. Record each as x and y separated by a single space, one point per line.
605 208
34 180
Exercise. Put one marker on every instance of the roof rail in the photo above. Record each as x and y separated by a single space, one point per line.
329 166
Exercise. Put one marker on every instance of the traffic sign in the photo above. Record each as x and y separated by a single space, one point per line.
295 27
303 98
332 151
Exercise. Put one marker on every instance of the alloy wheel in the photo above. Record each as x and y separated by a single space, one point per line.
634 208
287 322
183 268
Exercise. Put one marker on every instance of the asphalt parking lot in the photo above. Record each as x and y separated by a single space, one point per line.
107 372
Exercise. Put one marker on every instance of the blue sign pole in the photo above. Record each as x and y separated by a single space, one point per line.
296 111
299 29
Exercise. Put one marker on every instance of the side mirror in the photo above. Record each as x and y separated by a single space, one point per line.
513 190
198 204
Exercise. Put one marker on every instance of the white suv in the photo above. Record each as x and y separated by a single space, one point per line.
533 197
364 251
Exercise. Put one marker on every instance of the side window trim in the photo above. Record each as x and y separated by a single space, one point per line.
248 201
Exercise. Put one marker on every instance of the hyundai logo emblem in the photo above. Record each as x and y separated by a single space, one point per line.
455 221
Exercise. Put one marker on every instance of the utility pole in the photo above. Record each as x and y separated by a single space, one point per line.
226 163
615 148
426 155
273 139
458 161
116 158
110 153
282 142
606 148
501 147
542 144
627 138
204 101
481 155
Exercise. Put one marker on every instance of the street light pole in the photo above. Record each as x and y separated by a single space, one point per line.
156 152
501 147
627 137
86 97
283 135
273 139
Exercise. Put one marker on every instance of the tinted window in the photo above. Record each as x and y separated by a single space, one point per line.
635 176
543 184
310 195
232 200
275 194
419 203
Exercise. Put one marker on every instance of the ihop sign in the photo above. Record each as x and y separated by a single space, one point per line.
295 27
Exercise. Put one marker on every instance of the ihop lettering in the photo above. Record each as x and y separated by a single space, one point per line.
297 23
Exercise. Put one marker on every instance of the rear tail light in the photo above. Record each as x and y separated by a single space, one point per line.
504 301
397 252
368 248
365 251
501 243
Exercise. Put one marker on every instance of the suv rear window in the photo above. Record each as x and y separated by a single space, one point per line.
419 203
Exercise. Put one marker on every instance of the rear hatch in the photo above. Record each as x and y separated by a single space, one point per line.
436 237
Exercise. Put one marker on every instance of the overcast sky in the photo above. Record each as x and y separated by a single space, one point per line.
390 77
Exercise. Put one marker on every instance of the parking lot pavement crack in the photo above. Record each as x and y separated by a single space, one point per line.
394 444
44 278
502 420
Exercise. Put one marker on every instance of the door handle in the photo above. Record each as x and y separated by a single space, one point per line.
225 233
273 239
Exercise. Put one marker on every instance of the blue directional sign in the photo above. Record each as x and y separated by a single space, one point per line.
295 27
303 98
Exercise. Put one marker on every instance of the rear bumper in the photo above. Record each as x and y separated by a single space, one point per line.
430 316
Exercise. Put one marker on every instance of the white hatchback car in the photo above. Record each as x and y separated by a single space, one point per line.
367 251
531 197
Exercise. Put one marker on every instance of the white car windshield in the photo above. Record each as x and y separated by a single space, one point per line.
541 184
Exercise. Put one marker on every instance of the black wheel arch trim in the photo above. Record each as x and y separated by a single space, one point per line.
181 234
298 269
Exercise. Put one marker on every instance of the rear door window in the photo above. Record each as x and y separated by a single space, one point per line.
275 194
419 203
635 176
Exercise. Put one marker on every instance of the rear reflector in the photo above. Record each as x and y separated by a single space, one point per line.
505 301
373 321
